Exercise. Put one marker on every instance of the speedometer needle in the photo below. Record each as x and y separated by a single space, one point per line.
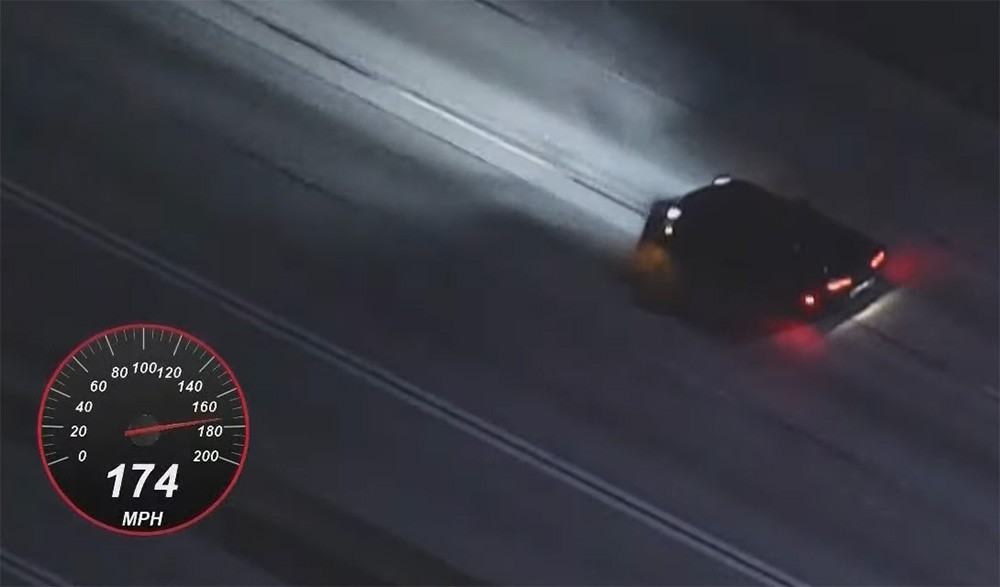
164 427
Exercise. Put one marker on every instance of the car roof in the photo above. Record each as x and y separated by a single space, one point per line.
735 188
749 215
738 198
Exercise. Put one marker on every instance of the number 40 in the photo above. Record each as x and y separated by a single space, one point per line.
167 482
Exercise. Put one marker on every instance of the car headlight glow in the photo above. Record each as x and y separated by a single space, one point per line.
673 213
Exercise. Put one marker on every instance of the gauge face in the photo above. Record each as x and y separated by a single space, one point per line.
143 429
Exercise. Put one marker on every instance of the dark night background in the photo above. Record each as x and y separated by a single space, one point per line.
951 45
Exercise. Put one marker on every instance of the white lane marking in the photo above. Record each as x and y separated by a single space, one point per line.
59 392
81 365
575 186
432 405
57 461
108 340
475 129
226 393
221 458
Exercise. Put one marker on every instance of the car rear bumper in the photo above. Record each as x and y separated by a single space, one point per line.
859 297
861 288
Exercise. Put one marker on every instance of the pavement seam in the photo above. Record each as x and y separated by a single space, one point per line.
29 572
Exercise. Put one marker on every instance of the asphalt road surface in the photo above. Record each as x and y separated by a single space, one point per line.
447 381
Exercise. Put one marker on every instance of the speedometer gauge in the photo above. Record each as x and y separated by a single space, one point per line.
143 429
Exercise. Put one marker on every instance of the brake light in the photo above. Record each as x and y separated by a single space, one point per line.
877 260
839 284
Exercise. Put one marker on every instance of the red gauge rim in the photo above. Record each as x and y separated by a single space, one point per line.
246 418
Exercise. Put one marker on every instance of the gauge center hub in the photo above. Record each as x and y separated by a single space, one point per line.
146 438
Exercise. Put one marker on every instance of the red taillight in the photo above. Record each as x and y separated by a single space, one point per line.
877 260
809 300
839 284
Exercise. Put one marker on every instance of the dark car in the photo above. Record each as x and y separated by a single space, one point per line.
735 244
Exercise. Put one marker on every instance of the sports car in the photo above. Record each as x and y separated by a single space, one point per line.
735 243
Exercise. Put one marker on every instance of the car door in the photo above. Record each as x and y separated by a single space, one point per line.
739 234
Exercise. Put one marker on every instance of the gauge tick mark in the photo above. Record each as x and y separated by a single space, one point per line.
81 365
